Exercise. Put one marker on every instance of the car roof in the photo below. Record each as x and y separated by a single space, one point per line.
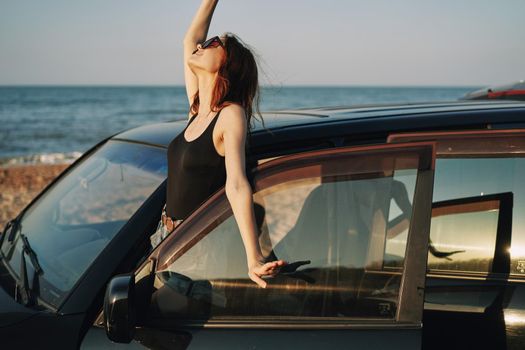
286 125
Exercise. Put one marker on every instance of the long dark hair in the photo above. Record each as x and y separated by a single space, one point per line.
237 80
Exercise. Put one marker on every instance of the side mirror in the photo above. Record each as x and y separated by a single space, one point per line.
119 308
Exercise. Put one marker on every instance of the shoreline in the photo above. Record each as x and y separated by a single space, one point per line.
20 183
39 158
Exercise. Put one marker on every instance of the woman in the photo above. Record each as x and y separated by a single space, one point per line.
221 78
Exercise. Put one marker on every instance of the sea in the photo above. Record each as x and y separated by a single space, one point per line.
56 124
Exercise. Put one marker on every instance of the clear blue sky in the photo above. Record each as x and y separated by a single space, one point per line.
300 42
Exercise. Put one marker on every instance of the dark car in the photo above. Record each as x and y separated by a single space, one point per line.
404 227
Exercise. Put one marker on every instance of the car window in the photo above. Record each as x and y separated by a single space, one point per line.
464 232
483 166
473 235
329 215
80 214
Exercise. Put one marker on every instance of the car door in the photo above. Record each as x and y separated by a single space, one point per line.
327 212
475 291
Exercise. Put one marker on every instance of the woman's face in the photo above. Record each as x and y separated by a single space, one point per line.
208 59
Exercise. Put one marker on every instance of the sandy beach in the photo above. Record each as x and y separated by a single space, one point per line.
20 184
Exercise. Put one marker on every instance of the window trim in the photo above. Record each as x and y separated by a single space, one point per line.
462 136
441 135
287 323
411 292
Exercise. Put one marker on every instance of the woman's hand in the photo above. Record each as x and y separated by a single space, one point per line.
259 268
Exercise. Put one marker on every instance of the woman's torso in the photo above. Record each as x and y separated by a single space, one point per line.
195 171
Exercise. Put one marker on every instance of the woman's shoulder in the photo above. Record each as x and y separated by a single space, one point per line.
233 117
234 110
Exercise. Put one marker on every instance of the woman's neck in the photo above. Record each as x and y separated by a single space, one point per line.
206 85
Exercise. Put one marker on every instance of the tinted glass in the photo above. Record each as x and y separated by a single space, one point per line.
474 233
400 215
336 224
79 215
452 251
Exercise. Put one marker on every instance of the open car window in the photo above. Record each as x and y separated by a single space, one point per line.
327 211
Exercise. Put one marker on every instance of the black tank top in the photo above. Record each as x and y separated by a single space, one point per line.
195 171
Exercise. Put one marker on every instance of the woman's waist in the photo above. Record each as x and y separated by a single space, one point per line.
168 221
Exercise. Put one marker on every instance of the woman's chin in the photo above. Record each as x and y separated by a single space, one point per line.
194 65
198 68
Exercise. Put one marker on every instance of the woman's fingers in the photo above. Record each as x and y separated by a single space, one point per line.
276 263
272 266
270 269
254 277
267 269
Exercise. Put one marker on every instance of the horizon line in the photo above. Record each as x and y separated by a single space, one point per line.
261 85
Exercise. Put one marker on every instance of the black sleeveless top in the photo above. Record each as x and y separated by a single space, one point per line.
195 171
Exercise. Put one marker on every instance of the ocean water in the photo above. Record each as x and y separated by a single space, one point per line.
52 124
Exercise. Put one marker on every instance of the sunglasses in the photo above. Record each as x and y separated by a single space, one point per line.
212 42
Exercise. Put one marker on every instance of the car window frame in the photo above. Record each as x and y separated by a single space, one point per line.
411 293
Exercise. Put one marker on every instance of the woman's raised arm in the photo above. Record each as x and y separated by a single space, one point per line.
196 33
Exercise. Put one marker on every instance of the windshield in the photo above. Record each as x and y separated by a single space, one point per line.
77 217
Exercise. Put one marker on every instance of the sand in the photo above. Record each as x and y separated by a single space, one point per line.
20 184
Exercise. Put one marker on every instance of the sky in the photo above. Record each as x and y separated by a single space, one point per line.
297 42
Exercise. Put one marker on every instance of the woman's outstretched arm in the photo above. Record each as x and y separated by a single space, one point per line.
196 33
239 193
